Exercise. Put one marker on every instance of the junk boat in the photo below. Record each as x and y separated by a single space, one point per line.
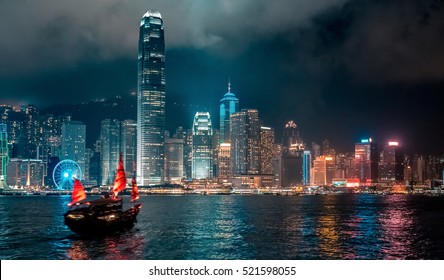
106 214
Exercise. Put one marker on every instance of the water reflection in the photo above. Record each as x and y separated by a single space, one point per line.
327 230
398 232
125 246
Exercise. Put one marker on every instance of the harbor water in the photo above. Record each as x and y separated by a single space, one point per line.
235 227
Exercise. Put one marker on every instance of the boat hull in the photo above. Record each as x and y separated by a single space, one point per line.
89 221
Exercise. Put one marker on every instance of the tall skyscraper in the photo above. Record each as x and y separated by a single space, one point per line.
224 160
292 140
202 152
306 167
324 169
174 159
367 159
266 150
391 165
245 139
74 143
109 149
32 132
129 147
151 100
4 155
229 105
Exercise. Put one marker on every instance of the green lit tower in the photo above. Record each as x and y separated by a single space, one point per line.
4 158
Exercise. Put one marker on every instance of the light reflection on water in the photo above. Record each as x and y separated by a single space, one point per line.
236 227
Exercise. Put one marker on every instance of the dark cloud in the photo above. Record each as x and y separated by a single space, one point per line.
45 34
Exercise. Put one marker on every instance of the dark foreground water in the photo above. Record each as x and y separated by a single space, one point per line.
236 227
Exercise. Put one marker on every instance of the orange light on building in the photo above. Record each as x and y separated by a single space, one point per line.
393 143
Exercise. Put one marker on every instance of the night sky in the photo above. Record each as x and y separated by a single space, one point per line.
342 70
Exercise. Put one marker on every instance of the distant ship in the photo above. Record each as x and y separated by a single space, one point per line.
106 214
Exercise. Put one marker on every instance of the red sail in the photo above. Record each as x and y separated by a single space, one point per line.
120 181
78 193
134 190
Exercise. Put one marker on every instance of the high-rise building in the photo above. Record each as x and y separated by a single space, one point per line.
151 100
292 162
174 159
391 164
202 152
367 159
4 155
229 105
418 167
110 149
188 154
32 136
25 172
277 165
224 160
292 140
266 150
129 147
324 169
74 143
306 167
245 139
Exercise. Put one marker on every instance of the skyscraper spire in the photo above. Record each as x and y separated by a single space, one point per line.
229 85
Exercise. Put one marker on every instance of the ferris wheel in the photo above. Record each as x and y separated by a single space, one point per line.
64 174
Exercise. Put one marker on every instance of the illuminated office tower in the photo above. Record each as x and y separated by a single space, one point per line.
74 143
129 147
151 100
109 149
4 155
306 167
25 172
266 150
32 132
391 164
367 159
202 152
292 140
324 168
174 159
245 139
224 160
229 105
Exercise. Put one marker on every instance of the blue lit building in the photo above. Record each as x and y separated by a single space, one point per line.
151 100
202 153
229 105
306 166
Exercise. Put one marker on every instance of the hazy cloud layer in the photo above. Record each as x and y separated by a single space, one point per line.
49 33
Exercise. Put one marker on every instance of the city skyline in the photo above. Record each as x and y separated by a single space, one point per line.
342 70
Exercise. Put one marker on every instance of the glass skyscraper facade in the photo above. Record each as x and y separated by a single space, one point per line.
151 100
367 158
229 105
110 134
74 142
202 153
245 142
128 147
